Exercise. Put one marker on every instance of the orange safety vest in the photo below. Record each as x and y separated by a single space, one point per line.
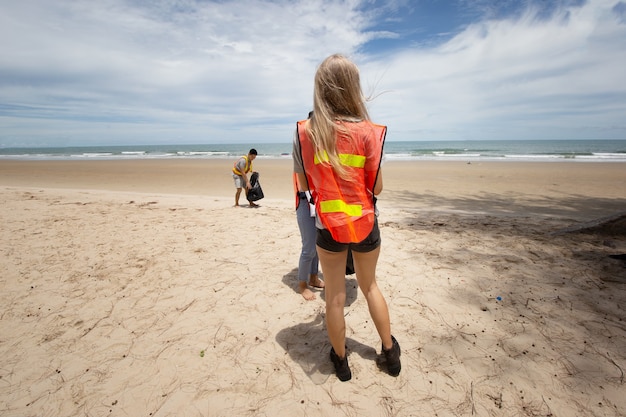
248 166
346 207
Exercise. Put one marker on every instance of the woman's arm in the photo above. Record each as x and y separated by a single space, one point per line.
378 187
302 182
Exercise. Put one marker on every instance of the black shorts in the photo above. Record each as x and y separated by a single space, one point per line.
372 241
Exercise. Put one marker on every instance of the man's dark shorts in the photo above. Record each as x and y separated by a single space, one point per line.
372 241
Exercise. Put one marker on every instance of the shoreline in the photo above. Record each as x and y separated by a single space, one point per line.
420 150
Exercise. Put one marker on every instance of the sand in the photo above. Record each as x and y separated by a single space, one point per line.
134 288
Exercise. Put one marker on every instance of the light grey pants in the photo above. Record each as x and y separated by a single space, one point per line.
308 256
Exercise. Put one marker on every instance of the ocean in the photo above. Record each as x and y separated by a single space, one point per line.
505 150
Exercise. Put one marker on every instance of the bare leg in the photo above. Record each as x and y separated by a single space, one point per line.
237 194
334 267
365 268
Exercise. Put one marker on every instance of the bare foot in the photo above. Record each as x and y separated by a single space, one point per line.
253 204
305 291
314 281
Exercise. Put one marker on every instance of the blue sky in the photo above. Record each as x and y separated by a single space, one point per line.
76 72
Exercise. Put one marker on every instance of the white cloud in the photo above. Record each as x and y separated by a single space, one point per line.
119 71
524 78
202 66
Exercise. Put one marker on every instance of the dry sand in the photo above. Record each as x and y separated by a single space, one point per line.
134 288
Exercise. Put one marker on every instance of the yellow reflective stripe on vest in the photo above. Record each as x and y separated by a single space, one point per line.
339 206
317 160
356 161
350 160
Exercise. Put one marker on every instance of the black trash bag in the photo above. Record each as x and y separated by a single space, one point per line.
256 192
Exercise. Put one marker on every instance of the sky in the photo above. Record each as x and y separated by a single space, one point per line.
126 72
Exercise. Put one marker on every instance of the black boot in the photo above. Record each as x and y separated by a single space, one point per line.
393 358
341 366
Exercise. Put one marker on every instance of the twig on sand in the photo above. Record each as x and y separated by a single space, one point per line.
472 398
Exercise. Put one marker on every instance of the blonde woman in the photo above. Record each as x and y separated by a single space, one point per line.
338 153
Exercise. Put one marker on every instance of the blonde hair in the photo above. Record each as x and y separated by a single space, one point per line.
337 95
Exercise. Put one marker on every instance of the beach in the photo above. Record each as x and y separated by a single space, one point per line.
135 288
